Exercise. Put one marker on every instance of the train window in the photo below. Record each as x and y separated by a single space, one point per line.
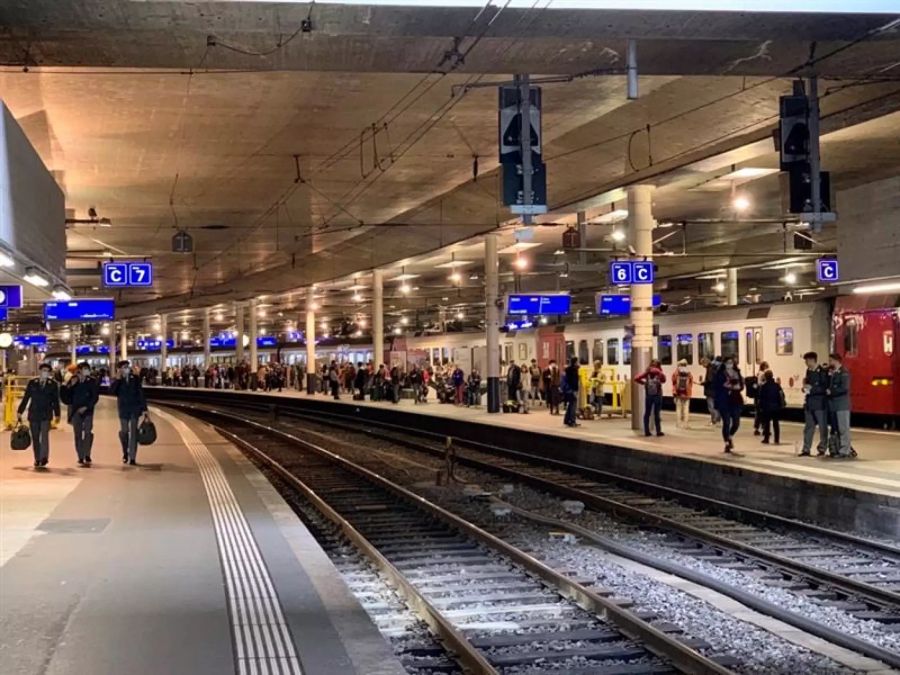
784 341
612 351
728 341
705 345
570 350
598 350
684 347
583 355
664 350
851 337
626 351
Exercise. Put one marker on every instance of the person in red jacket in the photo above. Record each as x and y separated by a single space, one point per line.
682 386
652 380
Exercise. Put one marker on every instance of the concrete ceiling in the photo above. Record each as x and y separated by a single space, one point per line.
144 118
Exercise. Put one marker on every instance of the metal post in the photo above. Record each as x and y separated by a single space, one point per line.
640 232
164 344
525 144
632 69
112 348
582 235
310 341
238 333
123 341
731 285
492 321
815 168
206 338
254 330
378 317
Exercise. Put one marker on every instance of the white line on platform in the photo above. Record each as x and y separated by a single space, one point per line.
262 638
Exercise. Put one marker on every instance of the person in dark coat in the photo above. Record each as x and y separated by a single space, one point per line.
132 407
770 402
82 393
570 390
815 414
728 386
42 401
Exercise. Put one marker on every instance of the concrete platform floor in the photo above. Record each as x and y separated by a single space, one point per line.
876 470
187 563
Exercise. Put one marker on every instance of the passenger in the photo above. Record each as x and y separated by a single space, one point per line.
41 398
514 386
132 406
652 380
334 381
426 382
815 414
753 392
569 386
534 374
359 382
709 389
552 381
459 384
682 388
598 381
473 389
838 393
82 393
770 403
728 386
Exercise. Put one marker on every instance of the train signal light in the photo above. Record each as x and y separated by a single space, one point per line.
794 137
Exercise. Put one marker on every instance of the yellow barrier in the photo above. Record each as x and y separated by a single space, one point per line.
621 394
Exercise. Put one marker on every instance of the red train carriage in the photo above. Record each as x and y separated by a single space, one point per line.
867 335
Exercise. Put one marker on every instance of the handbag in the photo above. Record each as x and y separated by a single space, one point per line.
20 438
146 434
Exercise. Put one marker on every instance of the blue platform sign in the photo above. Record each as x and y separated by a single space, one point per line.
642 272
82 309
4 314
827 271
522 304
127 274
620 272
266 341
624 272
30 340
11 297
619 305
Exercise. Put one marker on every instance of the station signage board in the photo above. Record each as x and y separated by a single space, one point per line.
524 304
628 272
618 305
827 271
82 309
11 297
127 274
30 340
91 349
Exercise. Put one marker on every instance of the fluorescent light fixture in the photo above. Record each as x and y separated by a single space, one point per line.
559 251
614 216
60 293
518 247
6 260
456 263
35 278
404 277
887 287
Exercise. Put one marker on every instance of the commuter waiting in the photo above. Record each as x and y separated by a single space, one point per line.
41 399
682 387
652 380
770 403
598 380
569 386
838 393
815 414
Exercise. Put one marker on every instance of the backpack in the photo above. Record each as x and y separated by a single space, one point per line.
681 383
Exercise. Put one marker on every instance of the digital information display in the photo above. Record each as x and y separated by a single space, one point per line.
11 297
522 304
618 305
30 340
82 309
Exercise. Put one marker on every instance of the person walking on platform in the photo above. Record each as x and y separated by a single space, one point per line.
751 387
709 389
569 384
598 381
81 393
41 398
838 393
815 413
652 380
682 388
132 406
728 386
770 403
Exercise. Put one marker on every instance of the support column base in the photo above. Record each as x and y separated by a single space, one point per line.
493 394
310 383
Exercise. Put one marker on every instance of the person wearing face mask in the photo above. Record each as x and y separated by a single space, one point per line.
132 407
729 402
42 401
82 393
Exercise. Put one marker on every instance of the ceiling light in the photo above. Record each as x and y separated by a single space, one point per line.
544 320
104 330
398 330
719 287
357 297
521 263
559 251
6 260
35 278
740 203
262 331
324 325
473 277
405 288
361 323
618 235
156 325
219 317
460 316
358 334
404 320
790 278
887 287
456 277
60 293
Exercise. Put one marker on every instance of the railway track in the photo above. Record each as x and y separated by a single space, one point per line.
495 607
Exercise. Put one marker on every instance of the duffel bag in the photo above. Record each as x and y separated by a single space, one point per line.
146 434
20 438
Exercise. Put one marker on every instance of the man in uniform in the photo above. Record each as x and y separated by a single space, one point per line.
82 393
42 400
815 383
132 406
839 404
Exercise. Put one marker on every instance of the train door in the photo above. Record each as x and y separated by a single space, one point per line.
753 338
551 346
866 340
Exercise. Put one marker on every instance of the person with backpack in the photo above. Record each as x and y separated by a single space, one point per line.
81 394
682 387
41 399
770 402
729 402
131 406
652 380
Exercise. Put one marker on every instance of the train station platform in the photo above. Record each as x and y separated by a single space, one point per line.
861 494
189 562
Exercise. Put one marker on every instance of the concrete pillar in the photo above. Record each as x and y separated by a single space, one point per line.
254 330
238 333
206 337
582 235
310 341
112 348
123 341
731 285
640 236
492 321
378 316
164 344
73 351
